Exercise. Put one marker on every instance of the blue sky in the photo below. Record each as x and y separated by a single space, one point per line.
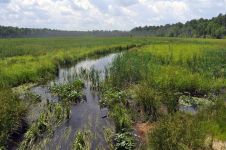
104 14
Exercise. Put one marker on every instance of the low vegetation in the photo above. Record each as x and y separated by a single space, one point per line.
148 83
157 80
11 113
82 140
71 92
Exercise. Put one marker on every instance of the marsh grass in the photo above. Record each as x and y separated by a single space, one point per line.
182 132
82 140
157 76
48 120
12 113
36 60
165 67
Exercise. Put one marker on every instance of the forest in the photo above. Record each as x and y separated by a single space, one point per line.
200 28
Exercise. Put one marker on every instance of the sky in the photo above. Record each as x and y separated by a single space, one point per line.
86 15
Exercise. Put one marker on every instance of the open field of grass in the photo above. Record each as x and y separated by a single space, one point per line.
144 84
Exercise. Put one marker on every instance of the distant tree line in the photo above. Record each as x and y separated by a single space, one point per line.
213 28
205 28
12 32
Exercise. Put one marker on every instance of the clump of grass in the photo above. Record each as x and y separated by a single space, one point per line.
111 97
214 118
49 119
121 118
11 114
149 100
178 132
82 140
31 98
124 141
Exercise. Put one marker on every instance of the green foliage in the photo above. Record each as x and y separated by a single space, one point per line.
214 118
178 132
82 140
124 141
178 68
31 98
149 100
36 59
121 118
11 114
111 97
48 120
69 92
215 27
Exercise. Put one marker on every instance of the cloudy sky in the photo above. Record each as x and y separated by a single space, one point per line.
104 14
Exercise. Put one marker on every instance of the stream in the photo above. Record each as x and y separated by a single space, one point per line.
84 115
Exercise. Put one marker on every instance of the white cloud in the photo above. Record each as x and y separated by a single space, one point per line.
105 14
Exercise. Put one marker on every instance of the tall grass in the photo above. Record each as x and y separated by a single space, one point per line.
157 75
11 114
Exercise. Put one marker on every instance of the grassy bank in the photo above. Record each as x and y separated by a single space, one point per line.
155 78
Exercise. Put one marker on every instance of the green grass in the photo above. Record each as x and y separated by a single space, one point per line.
157 75
163 68
11 112
31 60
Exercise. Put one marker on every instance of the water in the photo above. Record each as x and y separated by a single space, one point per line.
84 115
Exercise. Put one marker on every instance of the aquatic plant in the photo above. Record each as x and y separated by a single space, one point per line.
49 119
121 118
124 141
108 137
69 91
110 97
82 140
31 98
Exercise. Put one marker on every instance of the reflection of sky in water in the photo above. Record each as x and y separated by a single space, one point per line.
67 74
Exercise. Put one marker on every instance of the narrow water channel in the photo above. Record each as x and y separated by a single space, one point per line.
84 115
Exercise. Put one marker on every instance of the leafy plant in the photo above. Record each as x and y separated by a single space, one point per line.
124 141
70 91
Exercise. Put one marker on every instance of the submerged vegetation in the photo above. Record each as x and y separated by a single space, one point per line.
49 119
